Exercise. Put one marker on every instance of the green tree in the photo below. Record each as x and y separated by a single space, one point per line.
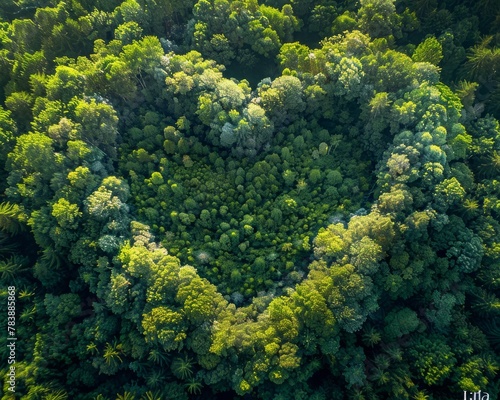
378 18
98 125
430 50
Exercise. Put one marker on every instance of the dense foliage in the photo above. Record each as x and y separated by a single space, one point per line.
222 199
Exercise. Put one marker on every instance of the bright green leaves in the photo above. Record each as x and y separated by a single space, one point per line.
433 359
379 104
11 218
32 162
430 50
118 298
395 201
138 261
128 32
313 309
237 180
163 280
460 142
378 227
65 84
285 94
32 154
449 193
221 104
287 356
329 241
164 326
296 56
226 31
284 319
230 94
378 18
175 296
143 56
7 132
349 73
365 255
346 294
98 125
66 214
199 299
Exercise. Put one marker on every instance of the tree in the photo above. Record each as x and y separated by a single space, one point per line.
98 125
482 62
433 359
66 214
430 50
143 56
164 326
378 18
31 163
225 30
8 131
20 104
400 322
329 241
104 205
128 32
65 84
284 94
199 299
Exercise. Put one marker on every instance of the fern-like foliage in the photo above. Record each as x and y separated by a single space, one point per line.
424 7
467 92
49 391
486 303
58 395
470 208
155 379
7 245
482 61
92 348
10 268
421 395
112 353
183 367
394 352
151 396
28 314
139 367
193 387
490 165
371 336
51 259
125 396
492 330
380 376
10 215
490 276
357 394
25 294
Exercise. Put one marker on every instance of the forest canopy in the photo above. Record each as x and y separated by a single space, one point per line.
252 199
